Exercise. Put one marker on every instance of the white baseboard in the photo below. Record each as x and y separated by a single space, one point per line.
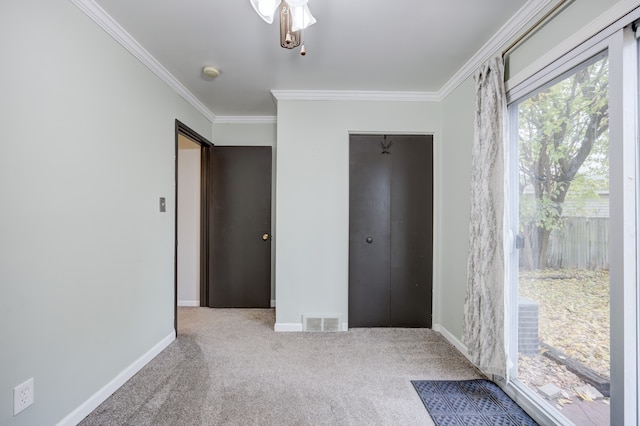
273 303
188 303
288 327
99 397
453 340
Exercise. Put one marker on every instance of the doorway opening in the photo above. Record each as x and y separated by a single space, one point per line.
191 212
188 223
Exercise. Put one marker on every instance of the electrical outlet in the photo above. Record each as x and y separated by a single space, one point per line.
22 396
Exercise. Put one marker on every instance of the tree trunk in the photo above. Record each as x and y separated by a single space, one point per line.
534 254
542 248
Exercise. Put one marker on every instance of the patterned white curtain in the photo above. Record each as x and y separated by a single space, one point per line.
485 305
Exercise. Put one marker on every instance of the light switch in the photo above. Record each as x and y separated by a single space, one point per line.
163 205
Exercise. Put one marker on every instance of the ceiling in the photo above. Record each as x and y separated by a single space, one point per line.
356 45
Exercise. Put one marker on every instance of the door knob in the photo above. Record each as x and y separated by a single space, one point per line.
369 240
265 237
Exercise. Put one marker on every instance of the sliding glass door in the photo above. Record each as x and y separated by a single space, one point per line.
562 304
574 293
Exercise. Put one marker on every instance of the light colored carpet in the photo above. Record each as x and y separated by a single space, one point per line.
228 367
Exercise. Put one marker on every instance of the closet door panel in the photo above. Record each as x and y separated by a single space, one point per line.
411 231
369 233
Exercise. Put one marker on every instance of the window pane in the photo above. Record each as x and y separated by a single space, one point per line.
563 284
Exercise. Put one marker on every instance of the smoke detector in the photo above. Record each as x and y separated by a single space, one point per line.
211 71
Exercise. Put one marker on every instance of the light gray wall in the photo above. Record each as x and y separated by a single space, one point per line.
86 259
188 223
313 195
457 141
244 134
254 134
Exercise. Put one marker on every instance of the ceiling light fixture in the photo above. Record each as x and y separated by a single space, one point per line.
294 17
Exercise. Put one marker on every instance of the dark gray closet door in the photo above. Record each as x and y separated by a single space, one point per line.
390 231
369 233
411 231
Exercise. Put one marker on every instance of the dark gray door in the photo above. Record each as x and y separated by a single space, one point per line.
369 233
390 231
240 227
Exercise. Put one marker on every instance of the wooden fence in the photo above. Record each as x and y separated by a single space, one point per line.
582 243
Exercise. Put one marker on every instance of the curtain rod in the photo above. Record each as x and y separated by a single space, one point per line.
535 26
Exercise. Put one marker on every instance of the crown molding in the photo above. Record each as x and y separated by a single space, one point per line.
340 95
508 31
245 119
107 23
